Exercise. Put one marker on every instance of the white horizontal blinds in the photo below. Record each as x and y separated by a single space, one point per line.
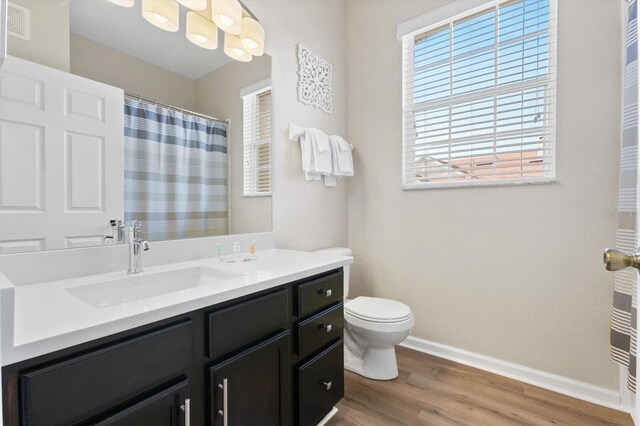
479 98
257 143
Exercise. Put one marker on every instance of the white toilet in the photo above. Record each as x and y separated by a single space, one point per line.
373 326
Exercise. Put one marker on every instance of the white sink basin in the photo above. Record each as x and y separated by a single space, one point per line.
138 287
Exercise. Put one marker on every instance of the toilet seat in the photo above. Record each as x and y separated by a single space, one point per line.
378 310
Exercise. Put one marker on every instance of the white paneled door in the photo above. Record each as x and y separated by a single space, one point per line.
61 158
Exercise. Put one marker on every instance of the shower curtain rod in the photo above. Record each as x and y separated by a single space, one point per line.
175 108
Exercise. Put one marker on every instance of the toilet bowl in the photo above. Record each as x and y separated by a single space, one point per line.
373 326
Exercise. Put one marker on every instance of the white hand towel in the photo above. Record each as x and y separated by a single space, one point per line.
342 162
320 163
330 181
308 162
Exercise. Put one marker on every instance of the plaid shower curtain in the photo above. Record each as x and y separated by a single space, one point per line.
624 314
175 167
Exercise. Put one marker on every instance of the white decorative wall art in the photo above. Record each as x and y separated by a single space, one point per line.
314 80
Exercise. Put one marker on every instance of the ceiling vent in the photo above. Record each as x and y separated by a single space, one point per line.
19 21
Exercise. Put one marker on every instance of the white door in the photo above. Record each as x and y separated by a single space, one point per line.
61 158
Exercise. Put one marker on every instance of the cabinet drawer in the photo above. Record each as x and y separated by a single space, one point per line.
317 331
245 323
65 393
319 293
320 384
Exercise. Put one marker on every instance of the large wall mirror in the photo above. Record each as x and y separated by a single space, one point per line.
195 159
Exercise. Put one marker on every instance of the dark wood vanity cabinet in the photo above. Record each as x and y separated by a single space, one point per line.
167 407
319 374
270 358
252 388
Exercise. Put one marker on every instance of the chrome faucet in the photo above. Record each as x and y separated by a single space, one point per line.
136 245
117 232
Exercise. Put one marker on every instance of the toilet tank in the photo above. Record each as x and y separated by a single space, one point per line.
341 251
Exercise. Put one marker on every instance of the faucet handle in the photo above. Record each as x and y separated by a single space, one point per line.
136 227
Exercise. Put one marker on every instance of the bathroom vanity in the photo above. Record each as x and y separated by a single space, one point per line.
90 153
252 343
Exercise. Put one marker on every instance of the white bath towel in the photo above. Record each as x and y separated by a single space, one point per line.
308 162
342 158
316 154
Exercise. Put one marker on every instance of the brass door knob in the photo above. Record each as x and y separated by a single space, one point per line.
614 260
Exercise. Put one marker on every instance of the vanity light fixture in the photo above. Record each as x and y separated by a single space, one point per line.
227 14
123 3
252 36
234 49
194 4
201 31
244 36
164 14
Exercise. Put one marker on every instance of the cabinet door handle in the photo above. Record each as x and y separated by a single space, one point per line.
225 402
327 385
187 411
327 292
327 327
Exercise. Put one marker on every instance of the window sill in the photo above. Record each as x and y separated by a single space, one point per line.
478 183
266 194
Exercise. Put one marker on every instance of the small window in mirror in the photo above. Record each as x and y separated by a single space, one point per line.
257 143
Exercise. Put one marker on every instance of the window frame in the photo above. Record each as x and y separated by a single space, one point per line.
445 16
253 92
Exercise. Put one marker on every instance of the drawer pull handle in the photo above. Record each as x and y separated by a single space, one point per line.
327 292
225 402
327 327
187 411
327 385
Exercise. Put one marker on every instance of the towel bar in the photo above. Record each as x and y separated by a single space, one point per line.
296 131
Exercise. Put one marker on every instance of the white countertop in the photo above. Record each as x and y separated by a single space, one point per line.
45 317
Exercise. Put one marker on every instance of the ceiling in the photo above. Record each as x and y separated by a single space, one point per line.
125 29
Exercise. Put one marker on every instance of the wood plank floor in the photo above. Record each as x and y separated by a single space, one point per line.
434 391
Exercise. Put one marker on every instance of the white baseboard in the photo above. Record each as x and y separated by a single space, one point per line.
328 417
566 386
627 398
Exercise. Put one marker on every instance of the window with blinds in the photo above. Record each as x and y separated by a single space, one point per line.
479 98
257 143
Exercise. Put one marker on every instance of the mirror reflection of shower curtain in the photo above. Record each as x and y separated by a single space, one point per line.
175 168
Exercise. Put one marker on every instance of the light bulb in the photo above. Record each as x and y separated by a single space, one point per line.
252 36
226 20
227 15
200 38
160 18
201 31
233 49
251 44
163 14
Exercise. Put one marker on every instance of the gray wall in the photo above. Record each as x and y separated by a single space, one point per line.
514 273
102 63
306 215
248 214
49 43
